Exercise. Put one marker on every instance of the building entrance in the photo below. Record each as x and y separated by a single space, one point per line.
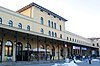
19 48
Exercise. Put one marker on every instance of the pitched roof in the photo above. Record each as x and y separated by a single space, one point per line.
42 8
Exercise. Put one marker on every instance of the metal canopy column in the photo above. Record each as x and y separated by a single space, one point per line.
16 35
2 43
53 49
45 49
28 47
64 53
81 51
37 50
58 51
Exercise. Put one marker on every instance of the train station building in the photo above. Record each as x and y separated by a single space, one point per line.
36 31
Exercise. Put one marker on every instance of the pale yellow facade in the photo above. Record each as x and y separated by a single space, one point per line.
37 14
31 16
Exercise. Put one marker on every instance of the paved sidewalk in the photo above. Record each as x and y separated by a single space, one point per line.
45 63
94 63
28 63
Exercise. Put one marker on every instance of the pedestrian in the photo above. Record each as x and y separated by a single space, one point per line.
50 56
74 58
32 56
89 58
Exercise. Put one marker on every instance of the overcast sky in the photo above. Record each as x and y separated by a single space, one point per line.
83 15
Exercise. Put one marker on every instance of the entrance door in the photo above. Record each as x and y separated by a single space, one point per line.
19 48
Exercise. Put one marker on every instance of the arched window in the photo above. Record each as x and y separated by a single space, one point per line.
49 33
20 25
52 34
48 23
55 34
28 27
54 25
60 28
8 48
10 23
42 31
0 20
41 20
60 35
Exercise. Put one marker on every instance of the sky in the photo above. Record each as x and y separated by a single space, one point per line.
83 15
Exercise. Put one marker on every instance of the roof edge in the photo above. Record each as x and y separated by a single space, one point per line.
42 8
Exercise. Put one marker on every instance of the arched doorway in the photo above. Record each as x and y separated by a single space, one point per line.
9 50
27 53
19 48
